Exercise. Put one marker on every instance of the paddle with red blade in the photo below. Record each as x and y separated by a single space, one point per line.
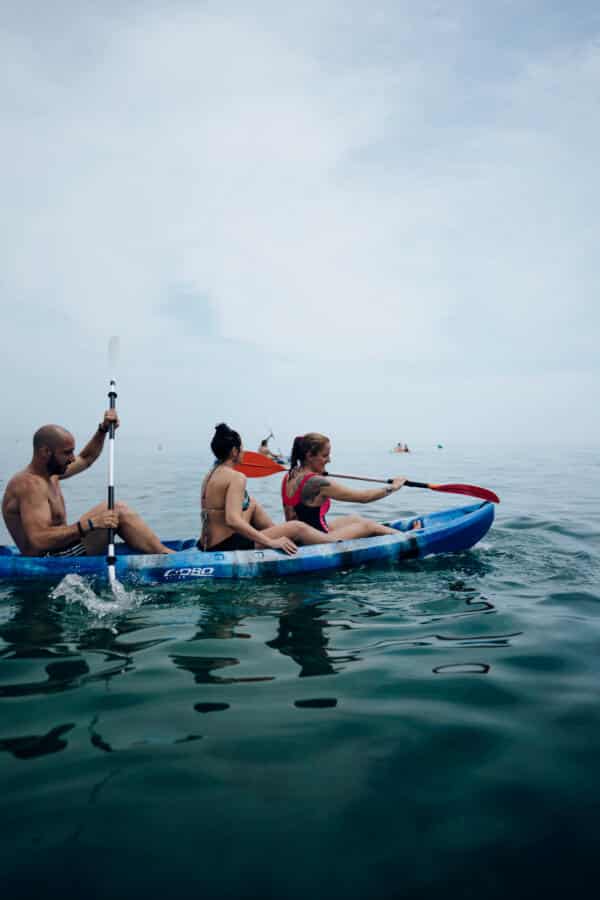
255 465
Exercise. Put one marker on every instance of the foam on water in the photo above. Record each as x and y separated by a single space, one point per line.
77 590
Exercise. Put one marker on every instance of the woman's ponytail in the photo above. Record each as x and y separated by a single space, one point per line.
304 445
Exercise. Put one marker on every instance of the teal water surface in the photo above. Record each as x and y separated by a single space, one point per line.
404 731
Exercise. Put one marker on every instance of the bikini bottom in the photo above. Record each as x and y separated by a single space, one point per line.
233 542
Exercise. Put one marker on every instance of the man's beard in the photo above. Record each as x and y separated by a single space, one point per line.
54 467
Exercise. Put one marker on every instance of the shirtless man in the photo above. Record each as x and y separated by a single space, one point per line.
264 450
34 509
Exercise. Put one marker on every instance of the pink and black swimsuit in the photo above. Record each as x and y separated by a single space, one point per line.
312 515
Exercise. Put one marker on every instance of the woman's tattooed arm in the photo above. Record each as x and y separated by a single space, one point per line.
312 489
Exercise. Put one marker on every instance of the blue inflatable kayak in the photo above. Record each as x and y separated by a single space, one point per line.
449 531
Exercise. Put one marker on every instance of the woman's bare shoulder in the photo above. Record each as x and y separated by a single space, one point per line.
227 476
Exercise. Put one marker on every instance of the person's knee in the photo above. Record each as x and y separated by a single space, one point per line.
124 511
301 531
364 527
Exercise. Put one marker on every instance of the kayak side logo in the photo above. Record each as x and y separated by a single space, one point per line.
191 572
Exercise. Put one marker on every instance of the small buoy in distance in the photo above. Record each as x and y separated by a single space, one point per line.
440 446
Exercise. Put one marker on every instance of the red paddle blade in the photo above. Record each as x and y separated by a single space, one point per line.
255 465
471 490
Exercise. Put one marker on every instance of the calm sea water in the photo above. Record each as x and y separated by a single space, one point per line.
419 731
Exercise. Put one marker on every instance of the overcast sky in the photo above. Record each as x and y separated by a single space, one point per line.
366 219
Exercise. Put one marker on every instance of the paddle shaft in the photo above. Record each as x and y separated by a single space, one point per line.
277 468
254 465
110 556
419 484
277 448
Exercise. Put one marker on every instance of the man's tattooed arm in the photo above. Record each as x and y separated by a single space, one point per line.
312 489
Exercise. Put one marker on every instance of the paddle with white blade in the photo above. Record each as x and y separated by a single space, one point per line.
113 358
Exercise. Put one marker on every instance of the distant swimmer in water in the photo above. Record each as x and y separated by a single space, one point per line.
34 507
307 492
231 519
401 448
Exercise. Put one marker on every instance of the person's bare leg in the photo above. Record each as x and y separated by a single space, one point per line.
353 527
300 532
132 529
348 528
136 533
259 518
295 530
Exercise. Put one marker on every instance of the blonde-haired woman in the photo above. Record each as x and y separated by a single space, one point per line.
307 492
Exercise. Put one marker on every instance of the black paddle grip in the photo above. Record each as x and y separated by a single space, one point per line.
112 398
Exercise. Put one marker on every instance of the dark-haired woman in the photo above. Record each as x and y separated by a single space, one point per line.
231 519
307 492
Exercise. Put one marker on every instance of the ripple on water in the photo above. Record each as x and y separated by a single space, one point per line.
392 723
574 601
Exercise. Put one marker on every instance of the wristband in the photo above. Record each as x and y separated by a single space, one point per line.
102 429
80 529
91 524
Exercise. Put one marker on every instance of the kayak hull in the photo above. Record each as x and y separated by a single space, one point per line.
447 531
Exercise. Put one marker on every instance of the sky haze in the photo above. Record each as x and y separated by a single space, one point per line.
366 220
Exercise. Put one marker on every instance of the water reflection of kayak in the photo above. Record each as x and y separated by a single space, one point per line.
448 531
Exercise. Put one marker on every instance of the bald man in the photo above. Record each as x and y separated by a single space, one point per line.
34 509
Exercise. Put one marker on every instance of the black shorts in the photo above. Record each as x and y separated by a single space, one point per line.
74 550
233 542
